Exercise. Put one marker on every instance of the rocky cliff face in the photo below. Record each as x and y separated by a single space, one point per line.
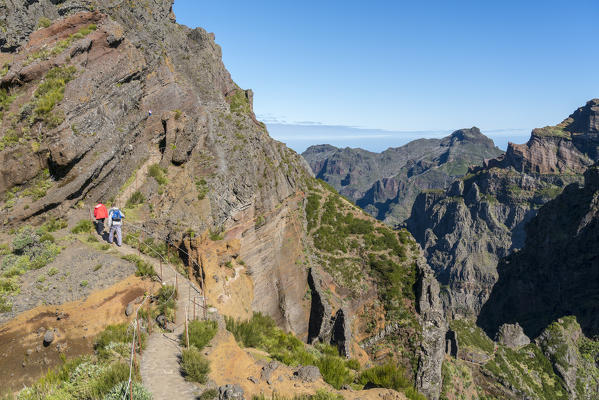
77 97
466 229
555 273
386 184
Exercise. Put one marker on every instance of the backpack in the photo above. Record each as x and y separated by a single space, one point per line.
117 215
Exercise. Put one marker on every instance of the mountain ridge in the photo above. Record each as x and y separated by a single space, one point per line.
386 183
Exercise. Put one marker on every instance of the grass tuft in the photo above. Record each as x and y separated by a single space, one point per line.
83 226
136 198
143 268
158 173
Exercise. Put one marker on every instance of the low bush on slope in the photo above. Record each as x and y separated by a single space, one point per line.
30 249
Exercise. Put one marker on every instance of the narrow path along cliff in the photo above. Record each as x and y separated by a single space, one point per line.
159 366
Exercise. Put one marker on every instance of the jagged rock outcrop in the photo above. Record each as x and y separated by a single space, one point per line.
386 184
512 335
434 328
555 274
561 343
466 229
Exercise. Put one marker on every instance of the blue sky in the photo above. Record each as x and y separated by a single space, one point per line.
406 69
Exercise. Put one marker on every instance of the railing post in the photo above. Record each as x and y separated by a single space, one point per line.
148 317
186 330
138 332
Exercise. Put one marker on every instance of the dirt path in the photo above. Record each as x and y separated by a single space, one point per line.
160 361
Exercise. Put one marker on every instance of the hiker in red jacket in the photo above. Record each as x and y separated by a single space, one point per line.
100 213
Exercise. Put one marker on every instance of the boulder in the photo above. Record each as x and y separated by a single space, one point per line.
512 336
129 309
308 373
268 369
48 337
228 392
162 321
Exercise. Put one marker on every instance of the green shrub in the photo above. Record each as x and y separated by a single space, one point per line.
83 226
334 371
166 300
31 251
25 240
119 333
39 186
5 100
53 224
352 363
136 198
209 394
47 237
261 332
194 366
202 188
110 377
200 333
143 268
4 249
158 173
251 333
48 386
388 376
120 391
5 303
44 22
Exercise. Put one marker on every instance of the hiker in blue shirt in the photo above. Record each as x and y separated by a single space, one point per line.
115 222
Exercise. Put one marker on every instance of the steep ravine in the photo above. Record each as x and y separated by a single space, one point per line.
557 270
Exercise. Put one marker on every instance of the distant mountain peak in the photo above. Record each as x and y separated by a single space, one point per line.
467 135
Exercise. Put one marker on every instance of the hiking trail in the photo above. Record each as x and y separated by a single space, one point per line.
159 366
